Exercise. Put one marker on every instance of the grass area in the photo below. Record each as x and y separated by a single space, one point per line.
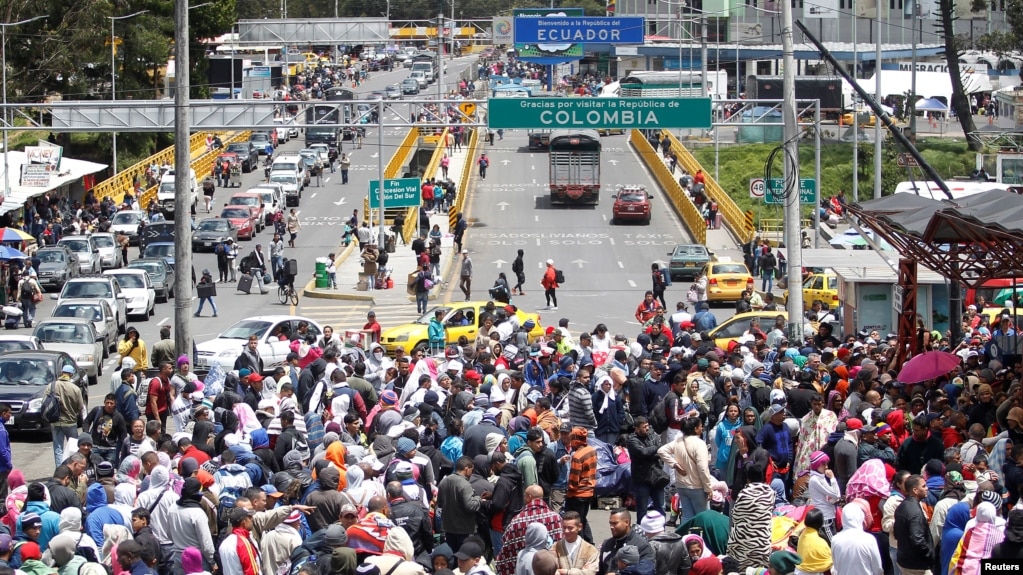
738 163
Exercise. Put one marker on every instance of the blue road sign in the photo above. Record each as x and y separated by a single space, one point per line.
572 30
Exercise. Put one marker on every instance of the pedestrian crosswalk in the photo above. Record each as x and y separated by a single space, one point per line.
351 315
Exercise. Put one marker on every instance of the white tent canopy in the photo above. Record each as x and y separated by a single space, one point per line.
928 84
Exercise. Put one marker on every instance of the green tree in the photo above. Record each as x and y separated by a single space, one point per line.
960 103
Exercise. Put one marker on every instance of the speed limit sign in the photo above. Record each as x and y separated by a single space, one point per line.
756 188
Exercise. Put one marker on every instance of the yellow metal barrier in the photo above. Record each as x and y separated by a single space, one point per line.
773 229
679 200
124 181
202 165
463 182
728 209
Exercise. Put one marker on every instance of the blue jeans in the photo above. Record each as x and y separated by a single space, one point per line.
767 281
422 300
645 495
60 434
691 502
495 540
28 309
203 300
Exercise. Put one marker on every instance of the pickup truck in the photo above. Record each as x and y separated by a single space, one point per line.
165 193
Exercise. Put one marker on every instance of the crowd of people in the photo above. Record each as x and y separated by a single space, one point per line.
483 458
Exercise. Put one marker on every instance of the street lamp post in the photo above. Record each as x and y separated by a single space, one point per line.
3 57
113 75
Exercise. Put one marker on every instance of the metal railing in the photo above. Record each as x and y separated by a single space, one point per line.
676 195
463 182
124 181
773 229
200 165
727 207
393 170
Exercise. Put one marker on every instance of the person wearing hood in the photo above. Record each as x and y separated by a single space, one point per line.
475 438
398 557
746 453
189 524
977 542
537 539
670 554
340 558
71 534
812 548
68 560
953 491
326 501
823 492
853 550
160 502
32 560
609 409
507 499
629 562
101 513
847 452
952 532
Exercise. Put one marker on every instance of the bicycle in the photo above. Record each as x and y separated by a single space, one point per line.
286 293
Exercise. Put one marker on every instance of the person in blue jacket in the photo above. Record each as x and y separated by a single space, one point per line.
6 462
100 513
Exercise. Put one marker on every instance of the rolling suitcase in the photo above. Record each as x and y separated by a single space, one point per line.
245 283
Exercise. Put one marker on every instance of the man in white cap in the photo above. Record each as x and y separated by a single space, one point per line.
277 545
670 555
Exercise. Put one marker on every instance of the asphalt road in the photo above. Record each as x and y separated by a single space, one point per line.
606 267
322 212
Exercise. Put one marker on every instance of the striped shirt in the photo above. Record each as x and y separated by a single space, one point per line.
582 473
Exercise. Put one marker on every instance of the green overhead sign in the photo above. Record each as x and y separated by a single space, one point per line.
593 113
398 193
807 191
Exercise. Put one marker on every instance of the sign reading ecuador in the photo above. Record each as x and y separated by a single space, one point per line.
593 113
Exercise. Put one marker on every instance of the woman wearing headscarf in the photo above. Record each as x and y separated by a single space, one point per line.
496 442
871 483
335 454
128 471
1012 546
835 405
823 492
750 416
398 555
953 491
952 532
517 429
999 455
815 427
536 540
749 539
723 434
15 501
977 542
745 454
896 419
696 547
609 410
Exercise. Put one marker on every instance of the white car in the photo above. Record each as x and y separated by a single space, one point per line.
109 251
323 151
96 287
291 184
75 337
140 296
268 329
87 251
16 342
103 318
127 222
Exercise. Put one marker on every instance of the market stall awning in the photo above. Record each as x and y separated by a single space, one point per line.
70 170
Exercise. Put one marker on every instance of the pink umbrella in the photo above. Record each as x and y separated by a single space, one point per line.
928 365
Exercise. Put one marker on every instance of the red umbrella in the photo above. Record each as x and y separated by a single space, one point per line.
928 365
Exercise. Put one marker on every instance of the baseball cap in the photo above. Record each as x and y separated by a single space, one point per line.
349 509
469 550
5 543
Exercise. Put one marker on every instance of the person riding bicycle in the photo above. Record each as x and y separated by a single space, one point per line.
284 279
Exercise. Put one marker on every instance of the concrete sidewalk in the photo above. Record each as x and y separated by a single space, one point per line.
720 239
400 263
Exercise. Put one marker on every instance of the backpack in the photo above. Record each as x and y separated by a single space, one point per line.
665 277
51 405
517 266
305 553
559 276
484 162
659 414
89 553
27 291
142 392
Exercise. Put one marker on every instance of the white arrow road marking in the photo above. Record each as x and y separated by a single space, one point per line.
613 162
536 218
621 265
579 263
503 205
340 202
499 263
377 155
506 162
632 283
312 196
612 240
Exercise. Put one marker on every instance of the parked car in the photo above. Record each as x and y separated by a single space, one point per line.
25 377
163 250
140 297
86 250
109 251
413 335
18 342
97 287
77 338
99 312
160 274
410 86
393 92
242 218
247 154
212 231
57 264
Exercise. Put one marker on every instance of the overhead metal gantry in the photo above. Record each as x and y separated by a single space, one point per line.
211 115
306 31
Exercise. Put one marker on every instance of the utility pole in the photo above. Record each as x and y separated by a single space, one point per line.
911 101
440 52
877 90
856 117
791 163
182 191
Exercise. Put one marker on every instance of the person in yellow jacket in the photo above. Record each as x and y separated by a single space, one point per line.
813 548
132 346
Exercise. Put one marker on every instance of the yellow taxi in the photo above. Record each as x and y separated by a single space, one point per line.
460 319
866 119
819 286
994 316
734 327
726 279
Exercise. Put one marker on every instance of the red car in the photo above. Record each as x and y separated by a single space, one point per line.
254 202
631 203
243 218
